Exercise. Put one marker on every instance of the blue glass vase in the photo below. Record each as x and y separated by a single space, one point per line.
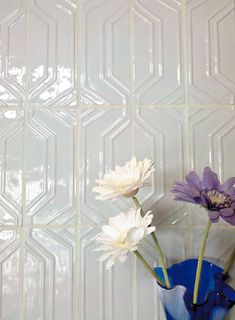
215 297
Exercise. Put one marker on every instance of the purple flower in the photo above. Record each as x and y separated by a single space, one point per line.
217 198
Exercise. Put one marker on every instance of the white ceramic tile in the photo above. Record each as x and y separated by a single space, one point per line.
211 51
103 294
159 135
52 66
211 132
157 52
175 246
50 276
104 52
51 167
105 138
12 52
10 281
11 166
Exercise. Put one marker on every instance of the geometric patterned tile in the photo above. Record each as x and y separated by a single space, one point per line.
104 294
157 57
211 53
11 166
10 276
105 141
52 66
50 277
12 53
153 139
51 171
105 71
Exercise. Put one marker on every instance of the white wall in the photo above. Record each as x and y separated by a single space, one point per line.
83 86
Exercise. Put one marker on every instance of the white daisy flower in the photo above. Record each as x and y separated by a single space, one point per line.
124 181
122 235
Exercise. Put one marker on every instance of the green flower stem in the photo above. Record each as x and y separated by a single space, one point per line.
148 267
163 265
200 260
229 263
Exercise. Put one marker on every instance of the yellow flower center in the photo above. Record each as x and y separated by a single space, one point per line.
218 199
121 241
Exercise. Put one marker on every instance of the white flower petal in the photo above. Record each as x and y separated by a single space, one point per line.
122 235
124 180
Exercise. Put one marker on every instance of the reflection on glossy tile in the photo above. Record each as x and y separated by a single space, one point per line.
211 51
11 166
12 53
158 70
104 294
52 69
50 274
160 136
105 71
9 264
51 171
105 139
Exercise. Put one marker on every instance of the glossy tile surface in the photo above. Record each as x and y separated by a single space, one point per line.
51 171
105 141
158 64
105 71
85 85
52 65
11 285
100 288
211 51
11 166
12 53
50 274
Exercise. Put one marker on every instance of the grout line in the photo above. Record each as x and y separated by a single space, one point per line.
186 113
95 226
105 106
79 226
132 76
23 208
185 52
133 145
76 315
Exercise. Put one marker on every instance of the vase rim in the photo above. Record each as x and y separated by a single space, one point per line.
209 293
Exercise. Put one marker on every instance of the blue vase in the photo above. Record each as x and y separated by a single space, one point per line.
215 297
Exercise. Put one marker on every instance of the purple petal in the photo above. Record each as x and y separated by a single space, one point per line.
181 187
233 205
210 179
193 180
230 219
184 197
213 216
228 212
228 186
205 200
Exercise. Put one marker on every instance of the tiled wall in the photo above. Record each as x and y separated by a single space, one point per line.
85 84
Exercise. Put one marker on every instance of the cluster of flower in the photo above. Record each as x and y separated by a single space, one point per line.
125 231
